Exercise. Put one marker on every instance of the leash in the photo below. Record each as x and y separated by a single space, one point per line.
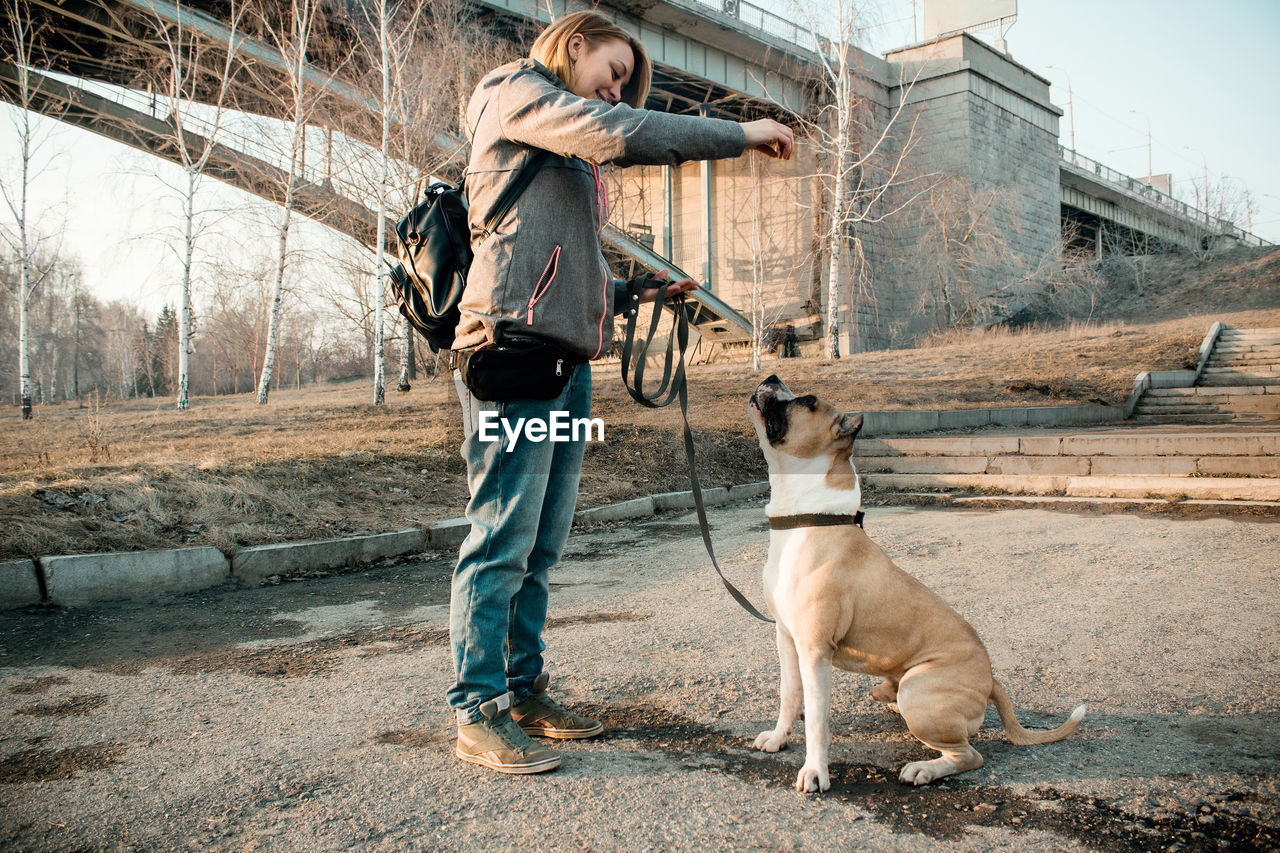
673 384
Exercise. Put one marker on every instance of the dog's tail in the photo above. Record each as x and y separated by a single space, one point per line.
1022 737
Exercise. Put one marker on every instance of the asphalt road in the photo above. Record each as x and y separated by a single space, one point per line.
309 715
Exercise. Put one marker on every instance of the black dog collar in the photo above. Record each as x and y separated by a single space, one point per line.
817 519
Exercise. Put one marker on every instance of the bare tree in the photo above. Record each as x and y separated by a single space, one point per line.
969 268
35 254
390 34
190 70
1226 204
293 39
423 60
862 164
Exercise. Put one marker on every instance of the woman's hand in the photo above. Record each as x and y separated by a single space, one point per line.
684 285
769 137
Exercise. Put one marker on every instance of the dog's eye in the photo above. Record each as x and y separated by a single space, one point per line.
809 401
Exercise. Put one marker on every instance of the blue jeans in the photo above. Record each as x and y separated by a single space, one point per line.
521 509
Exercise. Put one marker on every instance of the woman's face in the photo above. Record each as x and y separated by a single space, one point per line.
600 70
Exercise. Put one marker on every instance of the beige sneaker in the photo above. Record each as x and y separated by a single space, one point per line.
496 742
540 716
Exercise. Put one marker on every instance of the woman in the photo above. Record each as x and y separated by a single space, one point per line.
541 273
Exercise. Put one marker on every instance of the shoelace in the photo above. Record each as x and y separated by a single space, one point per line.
510 730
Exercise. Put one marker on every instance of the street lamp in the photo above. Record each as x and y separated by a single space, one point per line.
1135 112
1071 105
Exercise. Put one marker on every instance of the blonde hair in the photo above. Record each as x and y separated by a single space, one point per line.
551 48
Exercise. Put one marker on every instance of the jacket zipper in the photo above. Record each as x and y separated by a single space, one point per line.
544 282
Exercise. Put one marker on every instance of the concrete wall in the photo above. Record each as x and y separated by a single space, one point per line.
986 133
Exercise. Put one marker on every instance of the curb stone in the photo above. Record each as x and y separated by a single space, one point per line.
80 579
684 500
637 508
255 564
86 578
19 583
448 533
746 491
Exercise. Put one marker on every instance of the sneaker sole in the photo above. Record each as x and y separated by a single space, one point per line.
562 734
514 769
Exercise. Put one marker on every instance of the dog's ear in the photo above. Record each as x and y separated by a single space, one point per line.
849 426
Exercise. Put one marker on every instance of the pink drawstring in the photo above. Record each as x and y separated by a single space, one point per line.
540 289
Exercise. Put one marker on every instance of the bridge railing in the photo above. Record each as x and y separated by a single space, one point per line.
1202 219
262 139
765 21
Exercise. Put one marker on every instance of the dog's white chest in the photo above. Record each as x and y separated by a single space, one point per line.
779 571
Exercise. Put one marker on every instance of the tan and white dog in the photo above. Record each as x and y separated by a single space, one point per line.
840 601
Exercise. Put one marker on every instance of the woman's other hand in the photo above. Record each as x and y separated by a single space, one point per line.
684 285
769 137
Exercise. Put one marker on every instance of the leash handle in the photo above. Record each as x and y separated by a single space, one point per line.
676 386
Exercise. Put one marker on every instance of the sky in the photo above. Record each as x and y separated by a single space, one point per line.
1205 84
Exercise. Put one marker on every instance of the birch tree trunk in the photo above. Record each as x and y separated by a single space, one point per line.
24 358
294 47
379 263
406 359
23 243
186 315
757 271
277 300
186 72
835 234
859 164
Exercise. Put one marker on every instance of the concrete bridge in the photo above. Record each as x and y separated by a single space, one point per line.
982 118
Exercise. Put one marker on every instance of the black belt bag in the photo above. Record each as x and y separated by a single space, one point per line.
515 369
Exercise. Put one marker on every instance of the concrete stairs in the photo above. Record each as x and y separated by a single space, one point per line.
1238 383
1187 467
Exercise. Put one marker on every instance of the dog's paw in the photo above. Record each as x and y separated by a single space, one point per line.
813 780
920 773
770 741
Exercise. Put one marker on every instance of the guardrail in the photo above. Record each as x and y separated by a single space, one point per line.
1199 218
760 18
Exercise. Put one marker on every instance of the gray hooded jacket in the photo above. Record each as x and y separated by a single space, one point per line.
541 270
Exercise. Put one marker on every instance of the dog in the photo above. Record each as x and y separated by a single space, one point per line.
841 602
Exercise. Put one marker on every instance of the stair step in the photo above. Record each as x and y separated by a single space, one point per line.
1245 380
1203 392
1249 368
1205 488
1166 410
1223 418
1062 501
1082 444
1215 488
1249 334
1246 359
1248 352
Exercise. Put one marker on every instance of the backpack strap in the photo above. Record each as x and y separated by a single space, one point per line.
516 188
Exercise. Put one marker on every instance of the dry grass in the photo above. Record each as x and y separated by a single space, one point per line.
323 462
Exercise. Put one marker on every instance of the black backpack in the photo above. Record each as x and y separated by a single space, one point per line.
435 254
